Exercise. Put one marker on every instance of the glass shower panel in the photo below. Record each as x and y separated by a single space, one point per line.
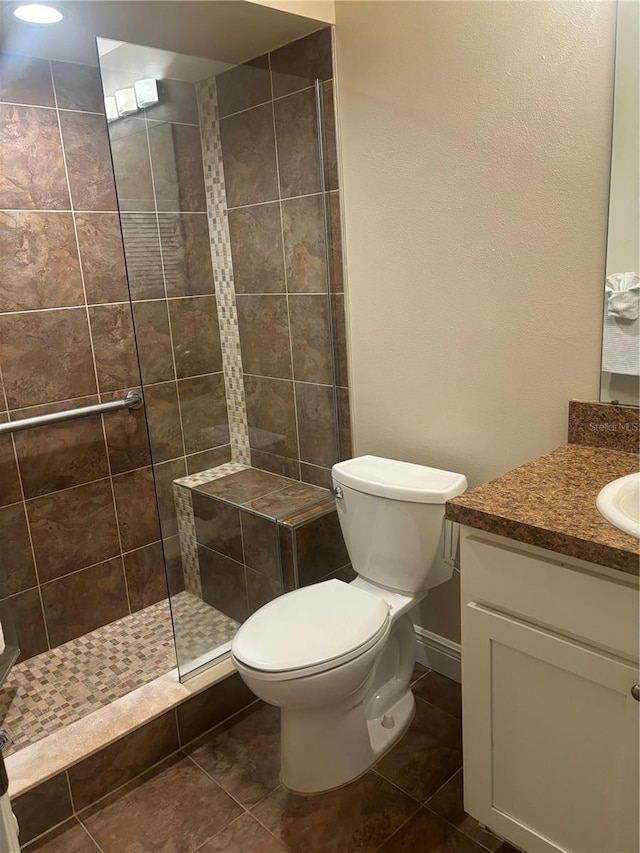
225 187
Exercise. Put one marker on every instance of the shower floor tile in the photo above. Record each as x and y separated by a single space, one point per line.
60 686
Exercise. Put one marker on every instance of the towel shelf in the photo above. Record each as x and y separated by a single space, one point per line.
133 400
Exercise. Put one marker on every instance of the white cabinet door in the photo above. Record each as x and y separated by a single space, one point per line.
550 738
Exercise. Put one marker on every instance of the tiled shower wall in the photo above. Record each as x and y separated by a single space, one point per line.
283 267
78 522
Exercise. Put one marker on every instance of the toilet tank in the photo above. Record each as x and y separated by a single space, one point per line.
392 519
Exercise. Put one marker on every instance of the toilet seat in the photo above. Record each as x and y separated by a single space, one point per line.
311 630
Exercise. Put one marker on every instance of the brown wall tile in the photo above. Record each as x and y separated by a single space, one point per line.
154 341
196 335
248 147
256 246
297 142
37 372
339 339
42 807
83 601
62 455
131 164
114 346
142 250
73 528
186 254
165 474
310 338
344 424
271 415
136 508
286 535
40 266
146 576
78 87
100 240
223 583
28 618
212 706
320 548
127 438
86 150
276 464
334 238
218 526
18 572
264 335
244 86
317 424
176 160
329 143
260 590
47 356
10 491
173 562
197 462
165 430
300 62
121 761
32 174
304 244
315 475
25 80
203 405
261 549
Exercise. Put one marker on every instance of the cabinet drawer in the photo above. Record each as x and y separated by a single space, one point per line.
570 601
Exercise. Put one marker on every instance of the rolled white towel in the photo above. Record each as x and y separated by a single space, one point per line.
621 330
623 295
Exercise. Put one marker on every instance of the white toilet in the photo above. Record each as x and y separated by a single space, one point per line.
337 658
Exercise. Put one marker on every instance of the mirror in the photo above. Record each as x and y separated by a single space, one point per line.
620 373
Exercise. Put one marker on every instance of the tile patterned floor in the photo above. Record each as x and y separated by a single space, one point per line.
222 793
49 691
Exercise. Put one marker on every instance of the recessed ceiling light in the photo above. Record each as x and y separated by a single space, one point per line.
38 13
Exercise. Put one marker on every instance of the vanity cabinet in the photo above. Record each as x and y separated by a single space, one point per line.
550 722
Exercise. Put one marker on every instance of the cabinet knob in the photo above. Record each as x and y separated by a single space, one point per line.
635 692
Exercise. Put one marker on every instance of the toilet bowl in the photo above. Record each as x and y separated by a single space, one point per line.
337 658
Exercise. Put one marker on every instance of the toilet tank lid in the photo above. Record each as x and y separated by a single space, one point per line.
400 481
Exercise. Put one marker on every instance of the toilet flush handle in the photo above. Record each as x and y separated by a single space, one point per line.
336 491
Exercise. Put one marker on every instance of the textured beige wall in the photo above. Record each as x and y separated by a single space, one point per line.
475 144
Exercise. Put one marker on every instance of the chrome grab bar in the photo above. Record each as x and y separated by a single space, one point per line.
133 400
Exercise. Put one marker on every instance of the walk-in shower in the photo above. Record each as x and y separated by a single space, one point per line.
169 228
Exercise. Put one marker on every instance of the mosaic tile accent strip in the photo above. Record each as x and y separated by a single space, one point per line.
206 94
59 687
188 544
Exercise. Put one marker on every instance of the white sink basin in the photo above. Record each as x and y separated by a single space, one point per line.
619 503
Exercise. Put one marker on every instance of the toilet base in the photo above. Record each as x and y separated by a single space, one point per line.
321 752
382 735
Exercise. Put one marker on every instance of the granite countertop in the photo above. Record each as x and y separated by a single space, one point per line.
550 502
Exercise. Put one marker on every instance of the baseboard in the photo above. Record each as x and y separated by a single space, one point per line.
438 653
